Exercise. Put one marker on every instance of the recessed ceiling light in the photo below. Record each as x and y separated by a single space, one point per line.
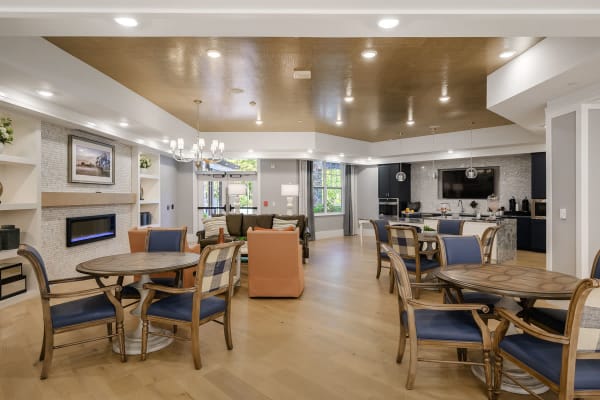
250 151
259 122
388 23
2 94
410 122
123 124
310 151
369 158
450 151
165 140
236 90
212 53
91 124
45 93
369 53
141 141
444 99
341 154
507 53
126 21
339 122
299 121
349 99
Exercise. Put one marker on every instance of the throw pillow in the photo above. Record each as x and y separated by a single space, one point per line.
284 223
212 225
287 228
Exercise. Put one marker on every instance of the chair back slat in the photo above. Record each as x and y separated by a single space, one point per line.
460 250
487 242
215 267
166 239
588 337
404 240
596 267
401 277
37 262
381 235
450 226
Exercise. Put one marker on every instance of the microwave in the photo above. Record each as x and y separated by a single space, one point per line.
538 208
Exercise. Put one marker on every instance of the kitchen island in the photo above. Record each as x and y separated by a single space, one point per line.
505 243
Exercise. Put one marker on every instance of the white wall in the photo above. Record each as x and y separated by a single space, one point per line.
514 180
168 191
273 174
184 207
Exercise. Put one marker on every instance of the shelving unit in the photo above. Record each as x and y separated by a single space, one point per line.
20 203
149 187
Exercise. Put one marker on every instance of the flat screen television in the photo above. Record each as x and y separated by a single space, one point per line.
455 185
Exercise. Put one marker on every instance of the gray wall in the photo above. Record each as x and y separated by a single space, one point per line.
168 191
564 193
366 194
593 184
274 173
514 180
184 208
329 223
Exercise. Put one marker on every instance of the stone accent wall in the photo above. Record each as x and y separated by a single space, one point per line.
514 180
60 259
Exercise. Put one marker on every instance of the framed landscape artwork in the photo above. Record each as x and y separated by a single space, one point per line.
91 161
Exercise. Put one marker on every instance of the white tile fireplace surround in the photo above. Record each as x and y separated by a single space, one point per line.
514 180
60 259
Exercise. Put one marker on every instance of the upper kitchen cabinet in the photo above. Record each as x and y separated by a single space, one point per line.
538 175
389 187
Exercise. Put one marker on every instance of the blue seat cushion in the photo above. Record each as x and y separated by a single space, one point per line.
481 298
179 307
82 310
550 317
445 325
545 358
411 264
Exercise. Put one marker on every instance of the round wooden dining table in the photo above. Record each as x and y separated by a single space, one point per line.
143 264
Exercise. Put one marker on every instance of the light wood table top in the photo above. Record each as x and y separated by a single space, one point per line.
511 280
138 263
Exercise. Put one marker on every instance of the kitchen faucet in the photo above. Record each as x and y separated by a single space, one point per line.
460 204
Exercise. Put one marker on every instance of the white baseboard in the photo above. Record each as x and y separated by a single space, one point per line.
329 234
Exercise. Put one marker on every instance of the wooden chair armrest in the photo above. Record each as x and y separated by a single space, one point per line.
74 279
431 285
449 307
81 293
531 329
168 289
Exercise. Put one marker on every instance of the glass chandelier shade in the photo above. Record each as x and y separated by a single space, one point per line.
471 173
401 175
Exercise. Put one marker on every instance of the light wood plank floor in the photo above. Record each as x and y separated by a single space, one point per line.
338 341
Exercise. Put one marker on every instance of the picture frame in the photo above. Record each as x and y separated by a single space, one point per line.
90 161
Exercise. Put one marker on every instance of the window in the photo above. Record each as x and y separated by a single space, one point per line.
327 187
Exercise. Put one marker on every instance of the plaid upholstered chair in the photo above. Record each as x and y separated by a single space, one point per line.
554 319
487 243
381 236
568 363
440 325
199 304
405 242
96 306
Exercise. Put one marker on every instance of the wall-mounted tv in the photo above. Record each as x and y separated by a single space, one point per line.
455 185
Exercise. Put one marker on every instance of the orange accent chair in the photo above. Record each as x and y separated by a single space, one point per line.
137 244
274 264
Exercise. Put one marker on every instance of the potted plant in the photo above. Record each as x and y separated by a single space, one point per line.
6 132
145 161
428 231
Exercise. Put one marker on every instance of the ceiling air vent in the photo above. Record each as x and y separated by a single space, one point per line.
301 74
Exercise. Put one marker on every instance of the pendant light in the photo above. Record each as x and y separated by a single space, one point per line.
401 175
471 173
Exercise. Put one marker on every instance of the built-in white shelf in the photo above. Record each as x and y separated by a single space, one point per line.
18 206
149 176
149 202
4 254
16 160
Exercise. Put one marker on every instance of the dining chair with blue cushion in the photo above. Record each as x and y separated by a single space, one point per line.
404 240
96 306
450 226
487 243
465 250
438 325
554 319
208 300
569 362
381 236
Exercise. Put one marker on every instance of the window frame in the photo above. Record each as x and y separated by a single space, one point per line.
325 187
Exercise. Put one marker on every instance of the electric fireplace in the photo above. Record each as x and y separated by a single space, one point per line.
81 230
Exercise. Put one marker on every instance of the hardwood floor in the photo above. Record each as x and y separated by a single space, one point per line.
338 341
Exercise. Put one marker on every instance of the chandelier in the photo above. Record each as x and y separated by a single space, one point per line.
200 157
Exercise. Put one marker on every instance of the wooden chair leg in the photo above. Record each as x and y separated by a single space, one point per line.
121 334
412 365
109 331
48 350
42 351
487 365
401 342
391 280
227 330
497 375
144 339
196 345
378 267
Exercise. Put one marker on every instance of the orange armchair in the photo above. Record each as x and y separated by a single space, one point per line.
274 264
137 244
